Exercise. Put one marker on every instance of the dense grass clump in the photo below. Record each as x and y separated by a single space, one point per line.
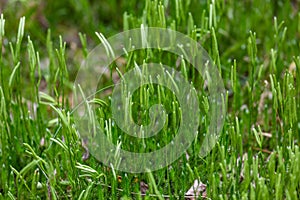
254 44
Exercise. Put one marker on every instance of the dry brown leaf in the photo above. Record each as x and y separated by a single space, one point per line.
292 69
187 156
143 188
268 135
198 189
86 154
244 158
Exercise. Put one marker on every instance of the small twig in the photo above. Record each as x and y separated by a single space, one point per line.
263 150
154 195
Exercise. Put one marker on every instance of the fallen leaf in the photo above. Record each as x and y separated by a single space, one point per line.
244 158
292 69
86 154
143 188
187 156
198 189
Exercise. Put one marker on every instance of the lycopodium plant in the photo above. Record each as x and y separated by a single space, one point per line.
253 44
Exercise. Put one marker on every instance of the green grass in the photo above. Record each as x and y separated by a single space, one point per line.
255 45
